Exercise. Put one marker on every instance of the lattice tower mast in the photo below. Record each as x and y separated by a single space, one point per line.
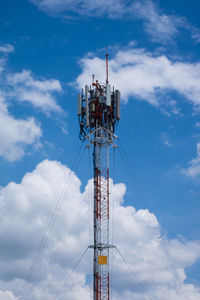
99 113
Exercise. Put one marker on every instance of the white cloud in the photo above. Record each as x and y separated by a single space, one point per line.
196 36
26 87
2 63
6 48
7 295
112 8
193 168
143 75
160 26
174 107
16 134
25 209
38 92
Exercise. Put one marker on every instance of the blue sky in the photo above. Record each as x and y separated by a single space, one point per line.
48 51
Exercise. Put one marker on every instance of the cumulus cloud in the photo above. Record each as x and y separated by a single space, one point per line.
7 295
16 134
160 26
142 75
38 92
25 209
193 168
26 87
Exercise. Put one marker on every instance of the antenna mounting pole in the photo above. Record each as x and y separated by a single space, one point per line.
107 68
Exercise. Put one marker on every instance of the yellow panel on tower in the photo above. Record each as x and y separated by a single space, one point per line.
102 260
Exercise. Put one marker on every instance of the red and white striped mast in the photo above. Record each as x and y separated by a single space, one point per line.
99 112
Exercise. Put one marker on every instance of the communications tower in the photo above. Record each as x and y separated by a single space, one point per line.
99 113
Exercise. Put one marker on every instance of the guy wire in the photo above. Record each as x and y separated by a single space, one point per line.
134 274
145 203
50 224
70 275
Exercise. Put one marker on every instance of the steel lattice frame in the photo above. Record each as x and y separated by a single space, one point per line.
101 246
99 112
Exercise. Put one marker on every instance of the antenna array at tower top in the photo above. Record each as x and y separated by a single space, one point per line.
98 106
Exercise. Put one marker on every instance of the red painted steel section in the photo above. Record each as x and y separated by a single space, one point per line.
108 286
97 290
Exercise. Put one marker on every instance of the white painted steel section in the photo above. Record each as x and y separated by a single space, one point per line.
86 105
108 95
79 104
